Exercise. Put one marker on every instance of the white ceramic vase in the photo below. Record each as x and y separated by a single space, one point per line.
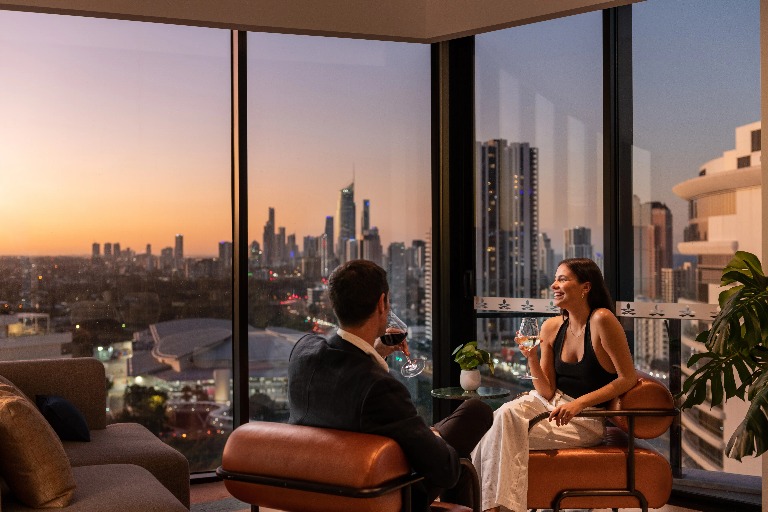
469 379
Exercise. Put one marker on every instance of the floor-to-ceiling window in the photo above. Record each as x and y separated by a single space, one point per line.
697 193
115 184
538 171
338 169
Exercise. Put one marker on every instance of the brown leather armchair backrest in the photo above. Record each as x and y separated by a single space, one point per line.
319 455
648 393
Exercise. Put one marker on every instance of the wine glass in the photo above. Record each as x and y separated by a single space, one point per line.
413 366
528 337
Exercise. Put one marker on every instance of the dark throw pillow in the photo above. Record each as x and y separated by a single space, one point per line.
67 421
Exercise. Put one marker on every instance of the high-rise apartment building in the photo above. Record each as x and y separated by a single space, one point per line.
725 212
371 246
652 226
328 232
178 252
547 263
281 252
578 243
167 262
507 226
346 219
95 249
225 258
397 275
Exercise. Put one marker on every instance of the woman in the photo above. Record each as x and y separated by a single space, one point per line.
584 362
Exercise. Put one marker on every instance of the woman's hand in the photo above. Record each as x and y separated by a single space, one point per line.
528 352
564 413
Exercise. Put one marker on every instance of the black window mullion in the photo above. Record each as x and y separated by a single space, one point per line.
239 228
617 152
453 196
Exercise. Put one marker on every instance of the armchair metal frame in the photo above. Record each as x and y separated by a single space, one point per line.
630 489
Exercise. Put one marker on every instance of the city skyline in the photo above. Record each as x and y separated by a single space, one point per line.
168 86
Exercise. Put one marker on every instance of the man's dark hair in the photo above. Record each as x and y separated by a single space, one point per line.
354 289
587 271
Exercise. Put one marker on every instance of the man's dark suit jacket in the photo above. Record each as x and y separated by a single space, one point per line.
333 384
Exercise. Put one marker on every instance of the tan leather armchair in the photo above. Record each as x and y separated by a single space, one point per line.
309 469
622 471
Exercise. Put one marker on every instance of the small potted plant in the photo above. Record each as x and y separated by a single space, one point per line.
469 358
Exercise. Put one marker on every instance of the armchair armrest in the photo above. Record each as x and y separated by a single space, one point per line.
645 411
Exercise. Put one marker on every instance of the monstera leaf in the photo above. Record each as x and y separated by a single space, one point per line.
737 355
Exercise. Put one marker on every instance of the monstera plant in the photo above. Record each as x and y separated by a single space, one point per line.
736 359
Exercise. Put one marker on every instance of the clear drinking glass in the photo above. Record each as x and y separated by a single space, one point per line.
528 337
413 365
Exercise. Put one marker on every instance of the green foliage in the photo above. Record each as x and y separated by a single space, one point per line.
470 357
146 406
737 355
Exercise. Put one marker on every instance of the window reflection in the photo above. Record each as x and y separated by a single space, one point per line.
539 165
339 168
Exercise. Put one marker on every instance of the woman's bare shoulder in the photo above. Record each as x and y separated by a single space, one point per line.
603 316
550 327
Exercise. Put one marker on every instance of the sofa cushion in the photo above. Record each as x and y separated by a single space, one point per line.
66 419
32 459
131 443
123 487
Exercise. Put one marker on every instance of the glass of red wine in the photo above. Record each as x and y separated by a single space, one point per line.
395 338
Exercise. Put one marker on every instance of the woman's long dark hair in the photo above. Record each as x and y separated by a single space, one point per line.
587 271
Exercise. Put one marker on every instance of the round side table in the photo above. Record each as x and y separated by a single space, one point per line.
458 393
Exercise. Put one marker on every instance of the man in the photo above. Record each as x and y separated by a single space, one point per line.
343 382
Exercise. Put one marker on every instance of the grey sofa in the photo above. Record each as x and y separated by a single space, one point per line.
123 461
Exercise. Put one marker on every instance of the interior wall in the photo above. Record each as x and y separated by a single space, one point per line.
423 21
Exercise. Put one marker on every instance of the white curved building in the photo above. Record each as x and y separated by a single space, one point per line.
725 215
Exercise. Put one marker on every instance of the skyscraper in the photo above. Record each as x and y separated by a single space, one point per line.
365 220
652 224
578 242
397 276
507 218
268 239
546 262
328 231
371 246
178 253
225 258
346 219
95 249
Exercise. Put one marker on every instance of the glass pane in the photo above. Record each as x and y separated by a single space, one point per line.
339 168
539 166
697 189
115 171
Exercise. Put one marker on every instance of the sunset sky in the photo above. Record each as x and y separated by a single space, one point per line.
118 131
